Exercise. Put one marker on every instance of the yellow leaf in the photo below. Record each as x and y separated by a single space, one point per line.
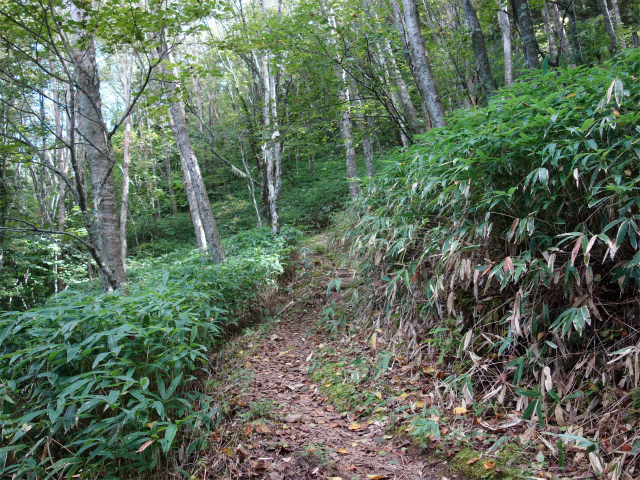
489 465
459 411
379 395
373 340
343 451
328 384
420 404
354 426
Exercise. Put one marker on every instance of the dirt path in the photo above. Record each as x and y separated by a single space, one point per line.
277 390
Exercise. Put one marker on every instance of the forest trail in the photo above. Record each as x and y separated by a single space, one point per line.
276 387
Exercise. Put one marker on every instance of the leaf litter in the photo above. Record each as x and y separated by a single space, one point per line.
302 434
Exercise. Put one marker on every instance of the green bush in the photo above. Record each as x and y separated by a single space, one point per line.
94 384
520 220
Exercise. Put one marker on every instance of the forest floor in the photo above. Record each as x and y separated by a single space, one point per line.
302 397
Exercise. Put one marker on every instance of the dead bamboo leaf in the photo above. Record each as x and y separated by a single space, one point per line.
472 461
144 446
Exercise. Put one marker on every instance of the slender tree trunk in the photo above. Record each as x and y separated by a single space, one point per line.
126 160
167 169
347 137
549 31
613 40
62 163
346 125
363 126
250 186
565 49
479 49
618 20
187 155
573 33
400 94
98 155
529 42
272 145
505 26
423 74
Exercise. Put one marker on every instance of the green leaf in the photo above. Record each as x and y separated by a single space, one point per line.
169 435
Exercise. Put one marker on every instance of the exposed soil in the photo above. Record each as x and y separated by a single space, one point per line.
281 424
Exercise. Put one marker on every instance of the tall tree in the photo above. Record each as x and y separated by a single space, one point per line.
565 49
191 167
529 42
272 146
505 26
479 49
126 77
346 125
422 73
611 31
98 151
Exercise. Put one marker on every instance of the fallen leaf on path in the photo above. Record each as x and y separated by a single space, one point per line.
459 411
293 418
273 337
247 430
328 384
354 426
420 404
376 477
489 465
343 451
262 428
472 461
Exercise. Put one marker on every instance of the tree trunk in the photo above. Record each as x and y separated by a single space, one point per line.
613 40
479 49
618 20
126 160
565 49
346 125
167 169
98 155
575 39
549 31
423 75
272 145
505 26
62 164
363 126
529 42
190 164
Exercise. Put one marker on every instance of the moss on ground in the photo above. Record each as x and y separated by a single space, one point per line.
504 461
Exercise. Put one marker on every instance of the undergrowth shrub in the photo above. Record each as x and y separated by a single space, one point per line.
95 384
520 223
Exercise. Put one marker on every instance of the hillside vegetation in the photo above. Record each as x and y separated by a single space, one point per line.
505 249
